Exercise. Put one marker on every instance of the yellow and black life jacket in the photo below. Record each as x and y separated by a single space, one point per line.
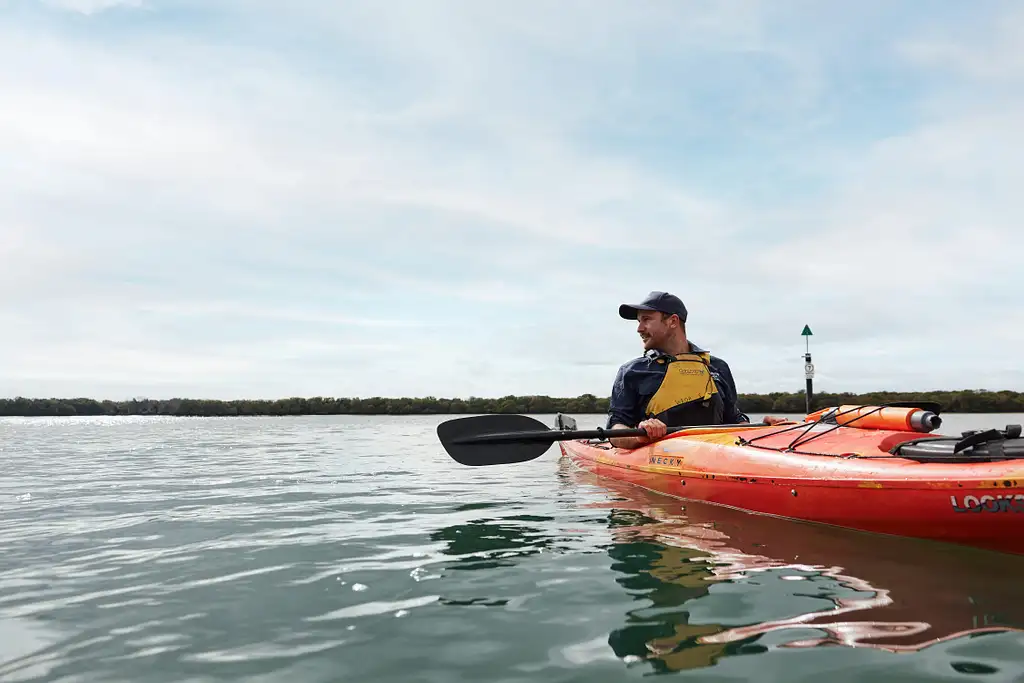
687 394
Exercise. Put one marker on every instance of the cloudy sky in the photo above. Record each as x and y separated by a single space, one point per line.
245 198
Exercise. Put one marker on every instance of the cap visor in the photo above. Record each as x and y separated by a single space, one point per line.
629 311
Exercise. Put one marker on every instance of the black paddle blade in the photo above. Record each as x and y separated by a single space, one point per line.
458 436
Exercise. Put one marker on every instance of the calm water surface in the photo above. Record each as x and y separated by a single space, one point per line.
347 548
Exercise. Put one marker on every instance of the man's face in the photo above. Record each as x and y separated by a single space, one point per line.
654 328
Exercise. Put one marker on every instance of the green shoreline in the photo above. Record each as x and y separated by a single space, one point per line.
963 401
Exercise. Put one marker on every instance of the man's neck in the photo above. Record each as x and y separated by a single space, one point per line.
675 346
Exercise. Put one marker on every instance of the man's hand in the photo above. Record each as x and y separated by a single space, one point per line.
654 427
772 420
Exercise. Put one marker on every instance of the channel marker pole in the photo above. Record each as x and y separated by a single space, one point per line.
808 367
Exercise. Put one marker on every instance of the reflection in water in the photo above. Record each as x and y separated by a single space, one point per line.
706 582
667 579
487 544
701 571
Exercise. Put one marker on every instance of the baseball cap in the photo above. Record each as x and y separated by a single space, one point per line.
655 301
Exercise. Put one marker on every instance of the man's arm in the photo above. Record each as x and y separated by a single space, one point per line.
622 410
627 441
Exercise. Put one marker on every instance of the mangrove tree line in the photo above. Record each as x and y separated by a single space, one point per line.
965 401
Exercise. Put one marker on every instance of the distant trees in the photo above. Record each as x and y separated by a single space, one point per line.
966 401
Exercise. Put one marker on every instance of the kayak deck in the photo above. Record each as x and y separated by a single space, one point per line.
837 457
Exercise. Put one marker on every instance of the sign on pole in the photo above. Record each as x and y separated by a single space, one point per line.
808 368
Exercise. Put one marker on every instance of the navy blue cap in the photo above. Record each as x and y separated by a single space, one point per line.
663 302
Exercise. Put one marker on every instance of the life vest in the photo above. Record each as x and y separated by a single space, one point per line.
688 394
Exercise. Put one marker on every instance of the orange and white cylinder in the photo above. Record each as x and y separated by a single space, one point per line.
873 417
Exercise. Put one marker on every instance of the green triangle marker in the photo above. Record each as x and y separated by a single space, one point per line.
807 331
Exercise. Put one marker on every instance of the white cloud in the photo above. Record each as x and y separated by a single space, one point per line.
89 7
229 214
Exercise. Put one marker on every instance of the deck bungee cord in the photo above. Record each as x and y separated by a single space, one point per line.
971 446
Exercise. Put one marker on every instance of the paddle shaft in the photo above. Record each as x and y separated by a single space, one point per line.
551 436
501 439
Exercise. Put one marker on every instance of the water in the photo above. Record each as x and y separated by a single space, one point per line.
346 548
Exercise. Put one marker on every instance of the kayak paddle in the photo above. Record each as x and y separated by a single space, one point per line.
505 439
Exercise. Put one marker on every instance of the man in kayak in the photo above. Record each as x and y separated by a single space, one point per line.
675 382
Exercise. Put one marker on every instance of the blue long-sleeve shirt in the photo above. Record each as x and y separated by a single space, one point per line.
638 380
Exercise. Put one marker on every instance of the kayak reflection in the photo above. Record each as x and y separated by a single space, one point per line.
703 570
488 543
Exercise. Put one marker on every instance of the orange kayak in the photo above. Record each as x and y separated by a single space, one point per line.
888 476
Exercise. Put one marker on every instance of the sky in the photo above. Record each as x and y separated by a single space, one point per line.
253 199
